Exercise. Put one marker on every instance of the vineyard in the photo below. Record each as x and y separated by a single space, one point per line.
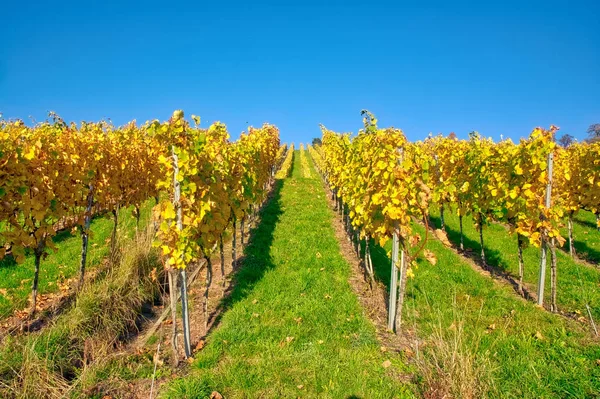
364 266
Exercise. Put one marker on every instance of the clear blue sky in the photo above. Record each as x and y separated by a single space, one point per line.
499 68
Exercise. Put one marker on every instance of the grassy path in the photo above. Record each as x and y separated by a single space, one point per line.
294 327
577 284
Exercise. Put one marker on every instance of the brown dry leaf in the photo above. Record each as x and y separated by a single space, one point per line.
216 395
452 327
254 302
3 291
441 235
168 322
298 320
408 352
153 275
200 344
598 362
386 364
492 326
107 397
414 240
289 339
383 349
300 386
430 256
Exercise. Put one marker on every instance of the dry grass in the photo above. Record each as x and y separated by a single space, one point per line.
62 358
449 364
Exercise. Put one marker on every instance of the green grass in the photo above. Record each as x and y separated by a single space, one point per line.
499 328
290 329
577 284
16 279
586 236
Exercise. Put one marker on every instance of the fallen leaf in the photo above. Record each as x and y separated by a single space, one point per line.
3 291
254 302
430 256
318 255
538 335
492 326
383 349
289 339
322 269
200 344
300 386
298 320
386 364
216 395
441 235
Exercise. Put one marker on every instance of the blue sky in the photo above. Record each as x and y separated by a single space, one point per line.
497 67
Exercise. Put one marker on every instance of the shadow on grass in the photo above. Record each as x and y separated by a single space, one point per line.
585 223
493 258
494 263
583 251
256 259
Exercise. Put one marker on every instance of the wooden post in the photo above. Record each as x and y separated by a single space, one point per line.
222 252
520 244
187 345
234 245
393 283
402 290
179 221
38 252
542 277
481 239
460 220
85 231
570 224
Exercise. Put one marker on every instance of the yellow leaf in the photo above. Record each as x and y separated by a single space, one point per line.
169 211
30 154
518 170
